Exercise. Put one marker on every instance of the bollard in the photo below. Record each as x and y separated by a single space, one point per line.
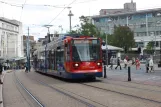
105 71
129 73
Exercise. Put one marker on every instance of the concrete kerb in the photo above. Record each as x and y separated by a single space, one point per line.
1 87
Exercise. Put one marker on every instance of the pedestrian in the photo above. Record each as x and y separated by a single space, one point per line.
1 69
133 61
127 58
151 64
26 67
118 63
137 64
111 62
147 65
125 63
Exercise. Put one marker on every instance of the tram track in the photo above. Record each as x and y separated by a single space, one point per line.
71 94
121 93
113 91
134 87
36 100
98 88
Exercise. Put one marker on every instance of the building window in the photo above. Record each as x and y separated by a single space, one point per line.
143 25
157 44
137 34
2 25
151 33
157 32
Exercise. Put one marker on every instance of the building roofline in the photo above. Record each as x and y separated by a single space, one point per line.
8 21
128 13
113 9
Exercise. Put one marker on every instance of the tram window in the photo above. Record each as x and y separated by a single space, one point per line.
60 60
50 60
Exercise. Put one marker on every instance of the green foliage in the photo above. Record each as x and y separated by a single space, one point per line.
74 32
149 48
109 38
123 37
86 28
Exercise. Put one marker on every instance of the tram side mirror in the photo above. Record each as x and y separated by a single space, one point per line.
66 45
103 43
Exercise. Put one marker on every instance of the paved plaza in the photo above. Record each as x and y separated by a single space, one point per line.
138 76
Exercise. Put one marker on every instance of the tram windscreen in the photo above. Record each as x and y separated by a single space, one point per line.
86 50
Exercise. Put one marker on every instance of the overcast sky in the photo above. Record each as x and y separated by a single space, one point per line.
35 14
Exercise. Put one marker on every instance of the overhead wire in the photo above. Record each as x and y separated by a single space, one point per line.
46 5
22 10
59 13
10 4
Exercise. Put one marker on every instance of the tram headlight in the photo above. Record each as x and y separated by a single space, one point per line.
76 65
98 63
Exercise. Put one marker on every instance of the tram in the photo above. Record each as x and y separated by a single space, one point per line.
71 56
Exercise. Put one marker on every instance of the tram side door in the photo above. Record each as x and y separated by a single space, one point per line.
67 57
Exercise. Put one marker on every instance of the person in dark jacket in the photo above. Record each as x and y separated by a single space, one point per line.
1 69
118 63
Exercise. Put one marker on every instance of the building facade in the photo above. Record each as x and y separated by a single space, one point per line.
146 24
11 43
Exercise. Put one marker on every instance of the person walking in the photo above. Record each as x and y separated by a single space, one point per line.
26 67
151 64
125 63
133 61
137 64
118 63
1 69
147 65
111 62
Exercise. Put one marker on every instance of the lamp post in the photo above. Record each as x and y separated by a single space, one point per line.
142 49
106 40
61 28
70 15
47 41
160 54
155 40
28 51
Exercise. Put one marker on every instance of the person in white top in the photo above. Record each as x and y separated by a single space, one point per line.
125 62
151 65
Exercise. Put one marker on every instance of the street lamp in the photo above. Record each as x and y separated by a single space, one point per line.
107 43
48 35
61 28
70 15
155 40
159 65
142 49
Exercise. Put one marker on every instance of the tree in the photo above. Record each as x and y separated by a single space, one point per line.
109 38
149 47
87 28
123 37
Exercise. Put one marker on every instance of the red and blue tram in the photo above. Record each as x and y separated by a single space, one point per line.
71 56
